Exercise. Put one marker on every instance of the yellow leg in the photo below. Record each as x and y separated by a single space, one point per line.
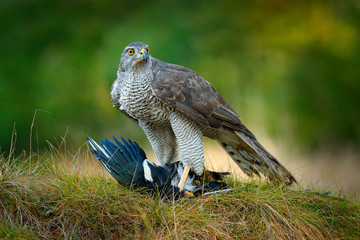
183 178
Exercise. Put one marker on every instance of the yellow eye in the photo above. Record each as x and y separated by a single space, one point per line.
131 51
147 50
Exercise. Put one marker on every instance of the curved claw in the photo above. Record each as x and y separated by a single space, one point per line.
189 194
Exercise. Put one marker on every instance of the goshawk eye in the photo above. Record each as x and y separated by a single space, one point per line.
131 51
147 50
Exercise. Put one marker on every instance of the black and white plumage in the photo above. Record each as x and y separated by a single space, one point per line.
174 105
127 163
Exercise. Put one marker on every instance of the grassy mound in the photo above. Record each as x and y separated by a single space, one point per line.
44 200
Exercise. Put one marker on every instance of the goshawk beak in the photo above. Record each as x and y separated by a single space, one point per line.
144 55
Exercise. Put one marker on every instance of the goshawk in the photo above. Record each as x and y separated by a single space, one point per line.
176 106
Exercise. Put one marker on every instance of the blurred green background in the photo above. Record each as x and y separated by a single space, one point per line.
290 68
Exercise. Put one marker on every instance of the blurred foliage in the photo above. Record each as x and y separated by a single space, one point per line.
289 67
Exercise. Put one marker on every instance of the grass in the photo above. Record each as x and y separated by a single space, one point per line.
59 195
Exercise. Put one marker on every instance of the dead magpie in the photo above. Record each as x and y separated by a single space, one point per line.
128 164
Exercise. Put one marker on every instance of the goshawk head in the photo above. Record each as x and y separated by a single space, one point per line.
135 55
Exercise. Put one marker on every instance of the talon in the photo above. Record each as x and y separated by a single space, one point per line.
189 194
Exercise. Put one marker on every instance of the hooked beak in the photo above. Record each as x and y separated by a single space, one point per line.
144 55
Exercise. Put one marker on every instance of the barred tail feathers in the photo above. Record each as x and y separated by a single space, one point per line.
253 158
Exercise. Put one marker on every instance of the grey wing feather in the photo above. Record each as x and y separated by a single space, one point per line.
189 93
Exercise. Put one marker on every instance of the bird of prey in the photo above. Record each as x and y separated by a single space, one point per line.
177 107
128 164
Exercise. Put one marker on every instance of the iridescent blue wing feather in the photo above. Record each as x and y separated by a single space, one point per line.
122 160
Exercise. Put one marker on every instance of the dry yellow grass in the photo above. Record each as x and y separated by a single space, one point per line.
66 195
